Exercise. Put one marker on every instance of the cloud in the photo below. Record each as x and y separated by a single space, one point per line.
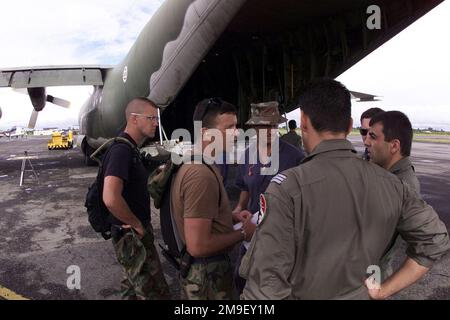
52 32
82 31
410 71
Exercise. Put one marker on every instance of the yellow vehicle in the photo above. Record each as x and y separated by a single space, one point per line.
60 141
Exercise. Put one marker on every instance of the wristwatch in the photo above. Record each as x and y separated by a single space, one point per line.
243 233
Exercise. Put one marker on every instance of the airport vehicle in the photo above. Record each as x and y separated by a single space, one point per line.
60 140
241 50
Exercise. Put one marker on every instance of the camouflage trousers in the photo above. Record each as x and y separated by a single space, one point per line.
143 278
209 281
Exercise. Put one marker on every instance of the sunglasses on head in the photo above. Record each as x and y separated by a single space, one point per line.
212 101
363 131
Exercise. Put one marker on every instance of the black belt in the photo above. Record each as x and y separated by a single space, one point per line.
205 260
117 231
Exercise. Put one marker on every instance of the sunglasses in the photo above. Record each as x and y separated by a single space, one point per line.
151 118
363 131
212 101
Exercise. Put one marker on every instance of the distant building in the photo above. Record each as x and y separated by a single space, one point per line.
45 131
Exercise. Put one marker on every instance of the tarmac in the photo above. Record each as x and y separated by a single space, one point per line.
44 230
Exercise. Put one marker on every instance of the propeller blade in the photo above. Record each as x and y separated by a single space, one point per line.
33 119
58 101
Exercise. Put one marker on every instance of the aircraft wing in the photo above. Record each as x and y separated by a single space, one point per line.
363 97
33 77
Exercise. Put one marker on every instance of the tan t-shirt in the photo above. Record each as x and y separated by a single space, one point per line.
195 194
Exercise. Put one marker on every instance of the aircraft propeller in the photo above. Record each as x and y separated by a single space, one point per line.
36 95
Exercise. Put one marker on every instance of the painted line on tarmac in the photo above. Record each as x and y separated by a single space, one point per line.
7 294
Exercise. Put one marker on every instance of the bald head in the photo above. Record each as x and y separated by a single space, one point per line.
138 105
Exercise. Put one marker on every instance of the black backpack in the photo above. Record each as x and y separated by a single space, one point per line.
160 184
98 214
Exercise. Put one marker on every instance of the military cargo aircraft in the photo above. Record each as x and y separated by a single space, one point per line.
241 50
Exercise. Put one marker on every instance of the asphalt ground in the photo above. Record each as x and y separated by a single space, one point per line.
44 228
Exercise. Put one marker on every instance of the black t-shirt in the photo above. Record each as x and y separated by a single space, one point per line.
123 162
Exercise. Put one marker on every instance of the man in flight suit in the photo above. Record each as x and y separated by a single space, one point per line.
388 143
366 116
328 221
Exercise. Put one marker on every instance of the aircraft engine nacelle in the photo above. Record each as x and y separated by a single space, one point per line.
38 97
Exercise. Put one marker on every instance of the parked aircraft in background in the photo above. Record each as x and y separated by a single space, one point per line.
14 132
241 50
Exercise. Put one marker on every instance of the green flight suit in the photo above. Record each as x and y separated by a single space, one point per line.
328 220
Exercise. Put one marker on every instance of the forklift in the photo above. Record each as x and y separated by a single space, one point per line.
60 141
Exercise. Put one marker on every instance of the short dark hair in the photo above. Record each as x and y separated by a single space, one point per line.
137 105
396 125
370 113
327 103
207 111
292 124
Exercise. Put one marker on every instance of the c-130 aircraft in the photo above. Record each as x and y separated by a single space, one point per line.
241 50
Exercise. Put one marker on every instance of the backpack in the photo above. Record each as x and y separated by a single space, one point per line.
98 214
160 185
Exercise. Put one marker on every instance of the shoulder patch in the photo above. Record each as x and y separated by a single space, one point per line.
279 178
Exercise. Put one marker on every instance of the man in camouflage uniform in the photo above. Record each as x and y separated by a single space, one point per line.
209 280
388 143
201 209
127 199
142 275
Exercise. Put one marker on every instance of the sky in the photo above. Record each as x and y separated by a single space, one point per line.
411 72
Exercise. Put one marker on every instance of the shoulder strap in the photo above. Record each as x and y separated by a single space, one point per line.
125 140
180 243
212 170
218 181
134 149
107 144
